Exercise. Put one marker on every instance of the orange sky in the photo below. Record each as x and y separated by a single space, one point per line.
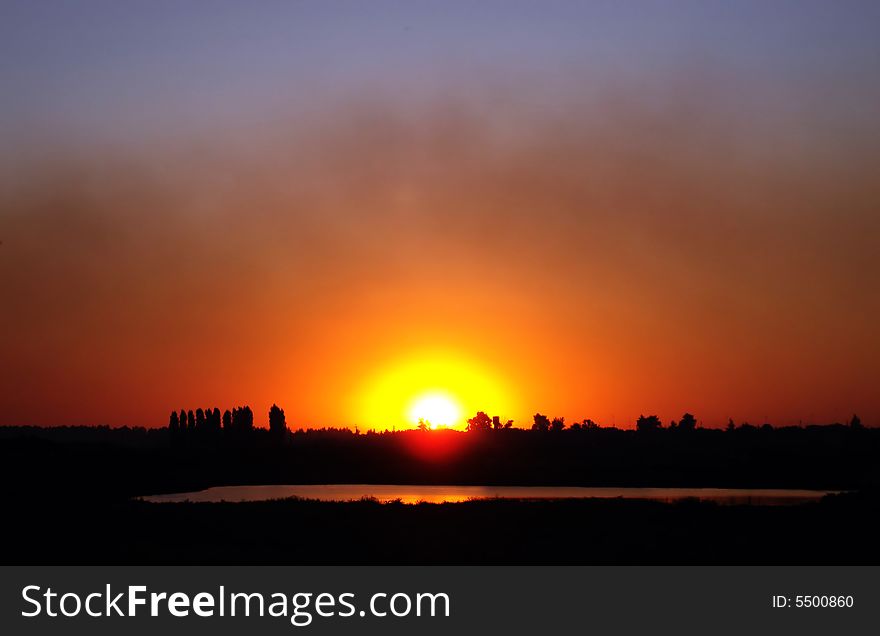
589 266
587 242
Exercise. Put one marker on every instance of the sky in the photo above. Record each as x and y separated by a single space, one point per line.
588 209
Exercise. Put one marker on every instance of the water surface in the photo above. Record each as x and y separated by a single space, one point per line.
440 494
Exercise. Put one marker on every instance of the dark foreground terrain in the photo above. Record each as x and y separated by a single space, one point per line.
89 462
841 529
70 496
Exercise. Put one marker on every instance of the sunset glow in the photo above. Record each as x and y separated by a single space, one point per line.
443 390
589 210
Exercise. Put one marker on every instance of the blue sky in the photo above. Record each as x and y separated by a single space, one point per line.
100 68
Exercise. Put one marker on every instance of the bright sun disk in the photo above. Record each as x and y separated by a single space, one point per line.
436 409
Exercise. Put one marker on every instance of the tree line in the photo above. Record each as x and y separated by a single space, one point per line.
645 423
540 422
241 420
209 420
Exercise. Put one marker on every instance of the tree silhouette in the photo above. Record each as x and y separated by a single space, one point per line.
423 424
541 422
855 422
277 422
584 425
174 422
242 419
227 420
557 424
649 423
190 420
200 420
497 425
479 422
248 418
688 422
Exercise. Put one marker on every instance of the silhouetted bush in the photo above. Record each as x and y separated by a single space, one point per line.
687 422
541 422
479 422
649 423
277 422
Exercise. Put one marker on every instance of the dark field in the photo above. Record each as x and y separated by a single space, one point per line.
838 530
70 497
89 462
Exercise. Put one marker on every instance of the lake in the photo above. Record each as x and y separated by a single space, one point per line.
452 494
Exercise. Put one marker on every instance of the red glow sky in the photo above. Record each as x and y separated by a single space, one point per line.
594 217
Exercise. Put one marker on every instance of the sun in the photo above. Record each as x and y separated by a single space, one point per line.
443 388
437 409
